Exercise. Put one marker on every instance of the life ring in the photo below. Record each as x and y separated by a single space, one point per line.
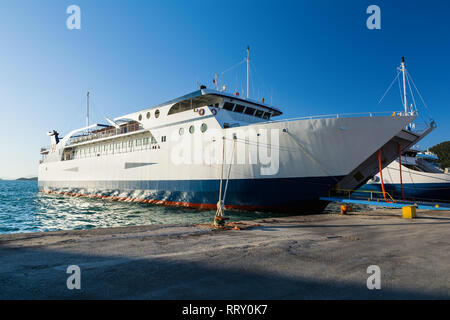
201 112
214 111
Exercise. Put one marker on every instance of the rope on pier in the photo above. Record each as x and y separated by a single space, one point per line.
219 219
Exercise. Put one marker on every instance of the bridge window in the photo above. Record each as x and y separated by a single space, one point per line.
259 113
249 111
266 115
239 108
228 106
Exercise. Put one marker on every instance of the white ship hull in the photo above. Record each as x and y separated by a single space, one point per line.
417 185
313 155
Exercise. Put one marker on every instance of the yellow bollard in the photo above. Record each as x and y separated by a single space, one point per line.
409 212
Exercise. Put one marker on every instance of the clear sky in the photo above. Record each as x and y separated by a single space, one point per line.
308 57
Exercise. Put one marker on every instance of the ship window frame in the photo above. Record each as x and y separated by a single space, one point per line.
267 115
237 108
261 113
203 127
148 115
157 113
227 104
249 108
192 129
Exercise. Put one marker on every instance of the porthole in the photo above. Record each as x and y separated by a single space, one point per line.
203 127
140 117
191 129
148 115
156 113
181 131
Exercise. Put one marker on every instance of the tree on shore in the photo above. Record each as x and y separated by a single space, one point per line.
442 150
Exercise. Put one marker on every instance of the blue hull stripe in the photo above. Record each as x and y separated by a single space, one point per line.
418 191
287 192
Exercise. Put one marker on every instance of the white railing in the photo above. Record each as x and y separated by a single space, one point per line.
341 115
106 133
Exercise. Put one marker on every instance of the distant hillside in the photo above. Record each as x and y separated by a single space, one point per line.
442 150
28 179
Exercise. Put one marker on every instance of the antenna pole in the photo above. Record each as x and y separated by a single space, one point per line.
248 72
404 84
87 110
216 80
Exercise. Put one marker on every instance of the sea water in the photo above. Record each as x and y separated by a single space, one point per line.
24 209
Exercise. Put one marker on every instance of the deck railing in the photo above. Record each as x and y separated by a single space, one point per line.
342 115
106 133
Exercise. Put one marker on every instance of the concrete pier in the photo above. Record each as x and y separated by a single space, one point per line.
302 257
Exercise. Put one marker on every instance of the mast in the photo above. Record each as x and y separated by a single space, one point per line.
404 84
216 81
87 110
248 72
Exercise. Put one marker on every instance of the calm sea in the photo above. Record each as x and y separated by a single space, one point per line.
24 209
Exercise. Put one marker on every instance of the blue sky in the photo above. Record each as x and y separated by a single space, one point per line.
308 57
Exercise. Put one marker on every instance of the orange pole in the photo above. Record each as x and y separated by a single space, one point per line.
381 174
400 161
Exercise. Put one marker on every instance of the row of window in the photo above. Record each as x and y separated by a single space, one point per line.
117 147
203 129
183 106
148 115
246 110
126 146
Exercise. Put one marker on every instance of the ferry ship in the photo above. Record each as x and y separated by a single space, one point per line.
414 176
210 149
